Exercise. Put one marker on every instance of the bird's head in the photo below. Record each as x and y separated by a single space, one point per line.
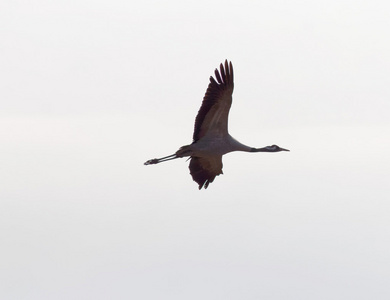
273 148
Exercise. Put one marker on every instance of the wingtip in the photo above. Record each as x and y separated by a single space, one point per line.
203 185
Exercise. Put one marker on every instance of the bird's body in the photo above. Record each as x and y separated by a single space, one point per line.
211 139
209 146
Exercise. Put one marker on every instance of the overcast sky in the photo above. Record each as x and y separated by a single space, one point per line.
90 90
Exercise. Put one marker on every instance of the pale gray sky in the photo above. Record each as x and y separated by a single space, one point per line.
92 89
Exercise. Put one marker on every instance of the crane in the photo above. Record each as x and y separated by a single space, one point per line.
211 139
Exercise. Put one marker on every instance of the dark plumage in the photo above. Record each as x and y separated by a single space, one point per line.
211 138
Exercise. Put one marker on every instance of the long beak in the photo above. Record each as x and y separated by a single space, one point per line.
281 149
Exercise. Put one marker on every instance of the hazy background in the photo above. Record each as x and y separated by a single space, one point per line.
89 90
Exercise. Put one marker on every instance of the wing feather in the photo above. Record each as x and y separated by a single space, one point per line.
214 111
204 169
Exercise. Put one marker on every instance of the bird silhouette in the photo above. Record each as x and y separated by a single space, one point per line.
211 139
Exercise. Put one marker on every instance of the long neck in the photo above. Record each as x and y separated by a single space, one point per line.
237 146
265 149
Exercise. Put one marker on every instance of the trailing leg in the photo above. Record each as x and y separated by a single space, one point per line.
162 159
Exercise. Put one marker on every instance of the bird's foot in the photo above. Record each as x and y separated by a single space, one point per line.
151 162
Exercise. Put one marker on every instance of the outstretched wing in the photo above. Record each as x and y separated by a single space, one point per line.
204 169
213 115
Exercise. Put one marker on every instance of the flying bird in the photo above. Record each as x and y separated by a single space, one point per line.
211 138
